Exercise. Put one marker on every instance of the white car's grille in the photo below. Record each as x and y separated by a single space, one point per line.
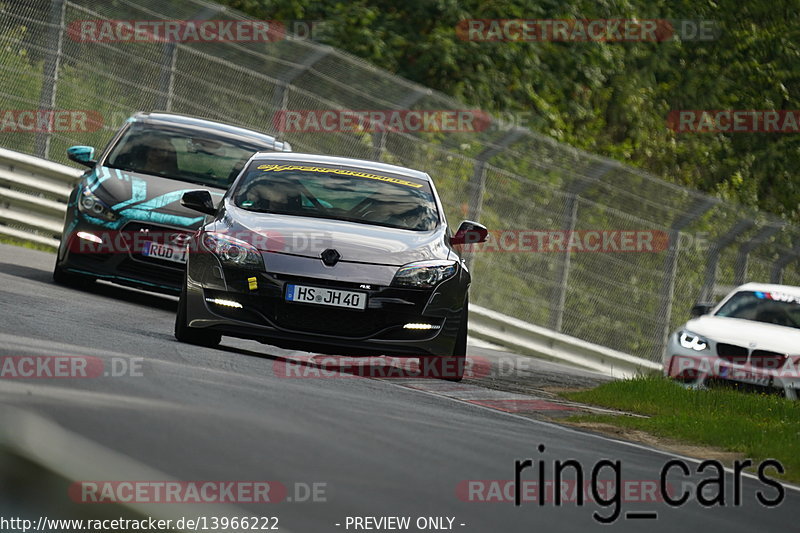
758 358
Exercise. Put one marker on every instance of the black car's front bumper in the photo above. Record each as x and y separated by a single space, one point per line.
265 315
113 260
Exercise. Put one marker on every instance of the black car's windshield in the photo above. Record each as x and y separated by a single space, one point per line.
770 307
333 192
181 154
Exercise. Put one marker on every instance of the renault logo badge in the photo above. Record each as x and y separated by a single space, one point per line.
330 257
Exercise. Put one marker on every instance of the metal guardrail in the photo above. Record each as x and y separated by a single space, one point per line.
530 339
33 196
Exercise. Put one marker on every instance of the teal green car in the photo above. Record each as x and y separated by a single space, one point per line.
124 220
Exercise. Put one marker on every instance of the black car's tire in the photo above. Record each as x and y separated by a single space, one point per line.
68 279
450 368
184 333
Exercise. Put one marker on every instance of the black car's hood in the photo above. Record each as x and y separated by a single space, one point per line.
355 242
138 196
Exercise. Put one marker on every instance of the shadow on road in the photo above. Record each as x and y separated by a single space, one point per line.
106 290
309 365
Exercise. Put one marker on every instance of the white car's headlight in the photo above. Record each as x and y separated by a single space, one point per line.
424 274
232 251
93 206
691 341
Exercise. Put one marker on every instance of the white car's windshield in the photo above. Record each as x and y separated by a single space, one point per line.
770 307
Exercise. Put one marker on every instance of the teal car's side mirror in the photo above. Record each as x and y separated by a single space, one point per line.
82 154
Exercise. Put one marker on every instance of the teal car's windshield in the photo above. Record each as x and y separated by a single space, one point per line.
185 155
770 307
331 192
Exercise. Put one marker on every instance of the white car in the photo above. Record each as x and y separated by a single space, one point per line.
752 336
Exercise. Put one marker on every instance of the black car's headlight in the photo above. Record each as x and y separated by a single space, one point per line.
232 251
691 341
424 274
90 204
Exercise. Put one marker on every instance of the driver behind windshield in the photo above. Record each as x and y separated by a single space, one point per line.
181 155
161 158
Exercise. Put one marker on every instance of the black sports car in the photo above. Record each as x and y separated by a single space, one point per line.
333 255
124 220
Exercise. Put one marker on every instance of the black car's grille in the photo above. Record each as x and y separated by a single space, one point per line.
160 234
97 258
336 321
733 353
387 308
140 270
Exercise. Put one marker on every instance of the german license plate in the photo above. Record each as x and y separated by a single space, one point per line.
167 252
747 376
325 296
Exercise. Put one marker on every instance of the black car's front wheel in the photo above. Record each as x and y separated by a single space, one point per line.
449 368
189 335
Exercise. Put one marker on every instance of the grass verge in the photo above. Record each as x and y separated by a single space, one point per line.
5 239
759 426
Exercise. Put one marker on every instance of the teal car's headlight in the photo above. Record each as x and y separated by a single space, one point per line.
424 274
232 251
689 340
91 205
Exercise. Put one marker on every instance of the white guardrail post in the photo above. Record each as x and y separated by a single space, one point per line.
33 200
33 196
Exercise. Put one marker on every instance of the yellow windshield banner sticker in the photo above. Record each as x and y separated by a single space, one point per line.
342 172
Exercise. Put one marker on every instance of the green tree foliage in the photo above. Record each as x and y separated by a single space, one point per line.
611 98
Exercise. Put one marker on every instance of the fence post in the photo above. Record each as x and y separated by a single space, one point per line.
700 206
379 137
714 253
281 98
477 184
776 276
52 62
744 250
169 59
569 221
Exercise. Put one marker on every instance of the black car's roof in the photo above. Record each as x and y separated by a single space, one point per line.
201 123
343 161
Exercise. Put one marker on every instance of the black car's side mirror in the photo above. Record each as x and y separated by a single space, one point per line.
701 309
199 201
470 232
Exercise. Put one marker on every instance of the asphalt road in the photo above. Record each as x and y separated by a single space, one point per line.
379 447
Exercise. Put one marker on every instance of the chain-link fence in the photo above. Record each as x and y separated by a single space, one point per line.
518 182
